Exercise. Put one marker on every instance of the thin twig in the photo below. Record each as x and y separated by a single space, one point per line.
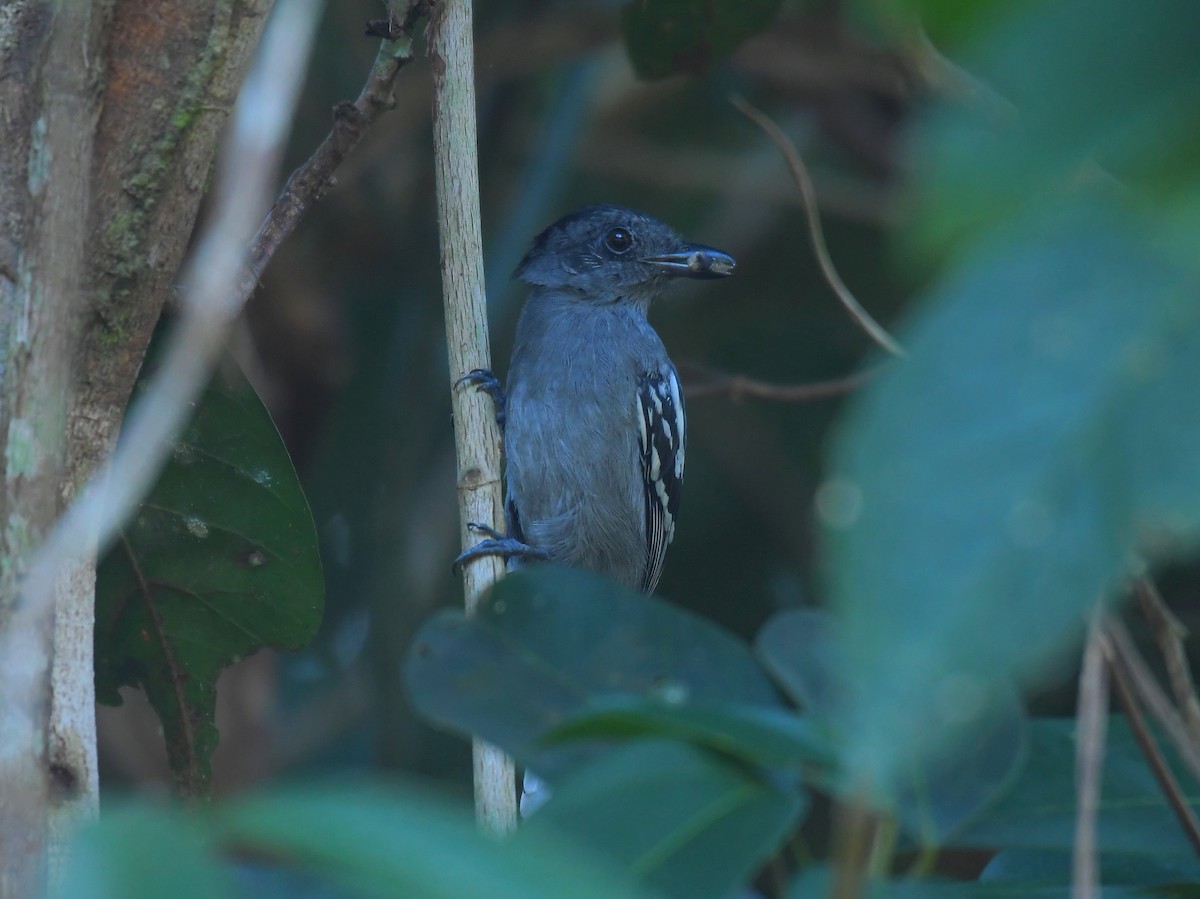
807 193
1149 746
1091 725
1147 689
476 434
700 381
856 831
1170 634
351 121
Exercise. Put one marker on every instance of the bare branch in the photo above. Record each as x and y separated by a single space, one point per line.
1149 746
700 381
1091 727
308 183
804 182
1147 689
1170 634
856 829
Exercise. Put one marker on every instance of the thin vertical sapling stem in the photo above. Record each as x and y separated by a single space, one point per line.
476 435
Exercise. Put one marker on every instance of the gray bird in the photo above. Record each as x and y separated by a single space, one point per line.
594 421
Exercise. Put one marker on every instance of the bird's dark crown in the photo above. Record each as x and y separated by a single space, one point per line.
606 253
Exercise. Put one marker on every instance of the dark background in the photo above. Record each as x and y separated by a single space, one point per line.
345 340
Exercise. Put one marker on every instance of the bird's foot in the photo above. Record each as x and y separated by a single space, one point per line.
498 544
488 531
485 379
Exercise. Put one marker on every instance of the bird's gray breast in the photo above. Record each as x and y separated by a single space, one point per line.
574 467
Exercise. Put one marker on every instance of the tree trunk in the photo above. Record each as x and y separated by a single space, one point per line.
111 111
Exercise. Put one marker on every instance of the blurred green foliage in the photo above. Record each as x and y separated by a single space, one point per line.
997 484
677 37
1012 187
347 840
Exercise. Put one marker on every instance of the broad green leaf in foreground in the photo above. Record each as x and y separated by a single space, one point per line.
547 642
1038 810
1017 866
802 650
683 820
143 852
984 494
769 737
328 840
973 761
1060 116
385 842
818 882
219 561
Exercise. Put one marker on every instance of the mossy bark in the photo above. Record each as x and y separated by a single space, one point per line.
112 110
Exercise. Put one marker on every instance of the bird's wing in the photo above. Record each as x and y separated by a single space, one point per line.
662 438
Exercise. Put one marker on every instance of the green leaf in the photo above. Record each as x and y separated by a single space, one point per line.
1026 866
219 561
949 22
818 882
973 761
1059 113
1038 811
380 841
143 852
768 737
801 649
683 820
1033 822
547 642
968 770
997 483
672 37
367 839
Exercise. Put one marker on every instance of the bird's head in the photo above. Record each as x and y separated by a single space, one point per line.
609 253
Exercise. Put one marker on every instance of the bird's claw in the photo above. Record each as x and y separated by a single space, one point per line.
486 529
485 379
497 545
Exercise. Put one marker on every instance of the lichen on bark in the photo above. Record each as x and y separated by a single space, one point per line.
112 111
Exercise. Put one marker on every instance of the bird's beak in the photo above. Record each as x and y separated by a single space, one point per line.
695 261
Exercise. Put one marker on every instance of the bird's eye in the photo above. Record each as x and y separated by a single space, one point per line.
618 240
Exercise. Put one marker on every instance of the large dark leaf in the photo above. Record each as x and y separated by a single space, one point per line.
819 882
327 841
386 842
1054 867
975 758
801 649
997 483
549 641
685 821
671 37
1139 841
1038 811
770 737
143 852
219 561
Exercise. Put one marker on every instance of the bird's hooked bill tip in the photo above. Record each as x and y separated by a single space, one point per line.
696 261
